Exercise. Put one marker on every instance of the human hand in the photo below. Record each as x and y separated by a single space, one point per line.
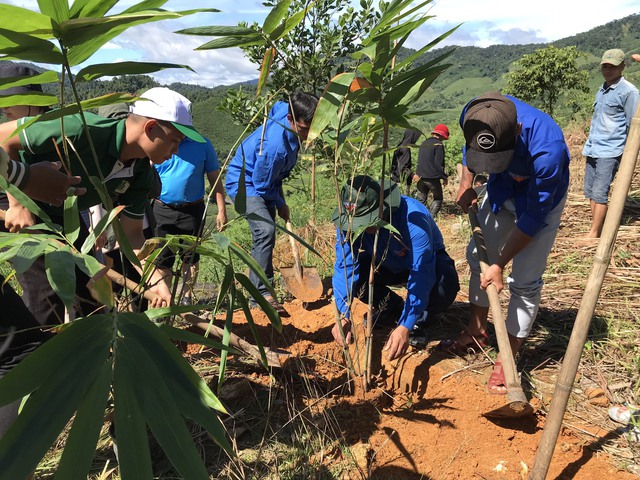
47 184
467 198
346 328
636 57
415 178
284 213
18 217
221 220
162 296
492 276
397 343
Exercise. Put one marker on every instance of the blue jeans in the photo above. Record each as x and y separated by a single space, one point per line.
598 175
264 239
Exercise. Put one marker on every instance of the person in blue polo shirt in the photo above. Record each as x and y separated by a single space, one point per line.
414 256
615 104
524 151
180 208
268 156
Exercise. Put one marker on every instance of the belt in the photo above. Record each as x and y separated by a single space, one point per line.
180 205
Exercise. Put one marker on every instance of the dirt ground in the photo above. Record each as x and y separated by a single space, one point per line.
424 419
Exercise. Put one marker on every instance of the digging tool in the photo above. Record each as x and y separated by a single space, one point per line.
304 283
602 257
518 405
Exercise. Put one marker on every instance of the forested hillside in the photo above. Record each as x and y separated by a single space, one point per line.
472 71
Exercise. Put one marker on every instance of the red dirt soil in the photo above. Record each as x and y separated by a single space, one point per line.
424 420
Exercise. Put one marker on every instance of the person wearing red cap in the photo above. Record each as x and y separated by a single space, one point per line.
430 169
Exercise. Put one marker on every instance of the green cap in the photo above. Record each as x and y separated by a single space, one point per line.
361 202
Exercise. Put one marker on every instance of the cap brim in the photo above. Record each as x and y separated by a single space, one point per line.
345 221
189 132
482 162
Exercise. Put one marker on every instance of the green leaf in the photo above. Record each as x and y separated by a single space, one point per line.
36 99
26 254
219 31
253 265
22 46
87 263
273 316
93 72
226 336
71 219
32 206
161 412
134 457
80 446
91 8
48 76
275 16
27 21
330 104
265 69
99 228
56 9
228 42
252 326
49 408
292 22
191 337
125 246
61 273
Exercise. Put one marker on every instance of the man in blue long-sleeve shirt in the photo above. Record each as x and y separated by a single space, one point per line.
414 255
524 151
269 154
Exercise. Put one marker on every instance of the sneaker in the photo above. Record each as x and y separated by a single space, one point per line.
418 337
622 413
272 301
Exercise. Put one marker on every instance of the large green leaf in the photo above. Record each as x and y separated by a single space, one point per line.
27 253
265 69
49 408
48 76
330 104
228 42
275 16
252 326
61 273
56 9
273 316
80 446
91 8
99 228
253 265
226 336
219 31
22 46
134 456
27 21
161 412
407 61
36 99
93 72
191 337
291 22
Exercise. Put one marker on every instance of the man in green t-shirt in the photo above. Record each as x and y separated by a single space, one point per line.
152 132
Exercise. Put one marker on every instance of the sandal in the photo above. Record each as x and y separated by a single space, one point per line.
497 385
465 342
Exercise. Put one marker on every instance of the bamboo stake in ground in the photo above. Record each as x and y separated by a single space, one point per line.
578 337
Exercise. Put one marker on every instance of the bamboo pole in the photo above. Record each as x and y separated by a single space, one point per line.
578 337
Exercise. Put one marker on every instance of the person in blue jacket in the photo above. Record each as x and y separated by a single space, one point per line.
413 254
268 156
524 152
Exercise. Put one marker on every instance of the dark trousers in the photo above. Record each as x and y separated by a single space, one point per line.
19 336
177 220
433 185
264 239
390 305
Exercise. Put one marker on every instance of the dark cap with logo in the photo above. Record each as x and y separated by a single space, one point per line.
10 70
360 199
490 128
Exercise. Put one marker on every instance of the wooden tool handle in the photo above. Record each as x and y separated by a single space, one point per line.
294 250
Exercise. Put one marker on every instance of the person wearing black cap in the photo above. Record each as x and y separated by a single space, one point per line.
413 255
430 170
524 152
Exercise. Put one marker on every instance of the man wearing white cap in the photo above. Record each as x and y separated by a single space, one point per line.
615 104
152 132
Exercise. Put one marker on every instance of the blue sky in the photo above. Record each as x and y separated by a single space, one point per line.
485 22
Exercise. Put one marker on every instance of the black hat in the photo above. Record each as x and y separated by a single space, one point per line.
361 202
11 70
490 128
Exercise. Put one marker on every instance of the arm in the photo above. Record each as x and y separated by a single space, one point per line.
467 196
218 190
267 174
160 278
345 274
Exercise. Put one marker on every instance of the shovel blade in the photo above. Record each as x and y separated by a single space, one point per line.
306 287
517 409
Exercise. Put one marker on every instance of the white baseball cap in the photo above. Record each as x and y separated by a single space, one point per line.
164 104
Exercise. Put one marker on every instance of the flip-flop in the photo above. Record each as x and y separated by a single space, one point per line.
497 380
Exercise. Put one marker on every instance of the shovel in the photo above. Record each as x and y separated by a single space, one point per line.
518 405
304 283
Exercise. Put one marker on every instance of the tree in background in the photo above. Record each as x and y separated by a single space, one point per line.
546 76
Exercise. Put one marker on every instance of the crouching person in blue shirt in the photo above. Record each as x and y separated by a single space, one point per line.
413 256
